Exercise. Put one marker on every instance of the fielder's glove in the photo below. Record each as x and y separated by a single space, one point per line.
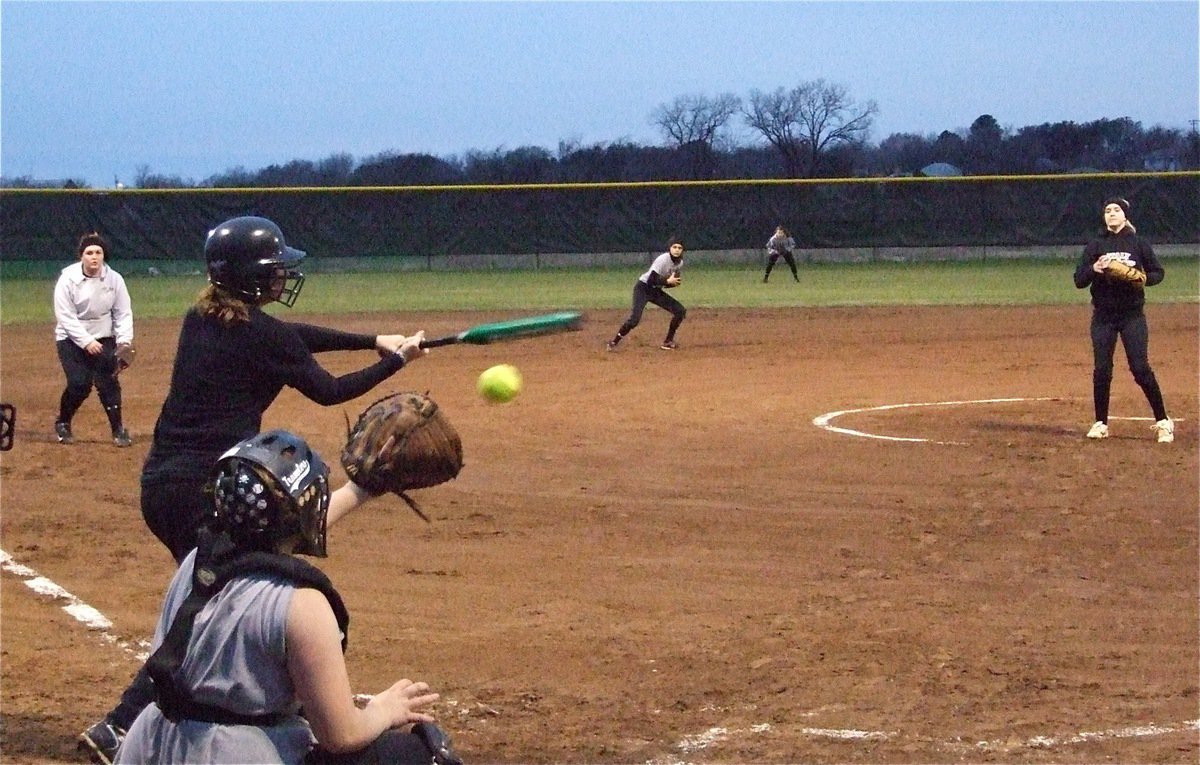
8 423
402 442
1122 271
123 358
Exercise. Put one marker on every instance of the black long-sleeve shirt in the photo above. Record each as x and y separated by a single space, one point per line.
225 377
1111 296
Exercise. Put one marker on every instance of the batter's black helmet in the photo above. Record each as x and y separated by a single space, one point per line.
248 257
271 493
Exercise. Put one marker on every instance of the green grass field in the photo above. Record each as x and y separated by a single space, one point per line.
27 298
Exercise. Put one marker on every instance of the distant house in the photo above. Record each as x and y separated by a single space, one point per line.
939 170
1160 160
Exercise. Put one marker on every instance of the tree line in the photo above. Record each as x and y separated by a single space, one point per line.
813 130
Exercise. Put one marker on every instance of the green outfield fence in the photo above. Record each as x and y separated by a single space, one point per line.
519 224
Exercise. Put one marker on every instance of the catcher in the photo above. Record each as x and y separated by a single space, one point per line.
1117 266
400 443
248 659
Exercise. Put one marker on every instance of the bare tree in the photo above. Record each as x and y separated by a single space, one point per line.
805 122
693 124
777 116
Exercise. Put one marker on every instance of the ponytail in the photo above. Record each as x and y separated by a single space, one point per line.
224 307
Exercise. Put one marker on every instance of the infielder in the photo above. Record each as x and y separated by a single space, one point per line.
93 316
664 274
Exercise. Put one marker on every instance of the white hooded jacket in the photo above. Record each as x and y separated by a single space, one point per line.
88 309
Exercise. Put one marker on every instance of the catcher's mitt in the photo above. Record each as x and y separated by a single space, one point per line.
402 442
123 358
1119 269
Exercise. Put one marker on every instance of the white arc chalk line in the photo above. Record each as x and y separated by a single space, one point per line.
823 421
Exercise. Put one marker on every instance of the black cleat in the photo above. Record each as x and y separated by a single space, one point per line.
62 431
101 741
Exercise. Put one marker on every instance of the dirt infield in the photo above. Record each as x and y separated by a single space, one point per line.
657 557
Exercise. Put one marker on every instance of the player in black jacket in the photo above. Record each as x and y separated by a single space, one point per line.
232 360
1117 311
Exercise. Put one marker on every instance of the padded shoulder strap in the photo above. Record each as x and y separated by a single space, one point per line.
217 562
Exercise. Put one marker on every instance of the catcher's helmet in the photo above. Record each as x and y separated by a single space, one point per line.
271 493
248 257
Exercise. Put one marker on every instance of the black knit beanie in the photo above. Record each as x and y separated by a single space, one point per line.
1121 202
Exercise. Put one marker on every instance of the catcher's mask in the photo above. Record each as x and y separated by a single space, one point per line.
248 257
271 493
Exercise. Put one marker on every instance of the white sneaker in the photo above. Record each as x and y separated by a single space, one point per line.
1099 430
1165 430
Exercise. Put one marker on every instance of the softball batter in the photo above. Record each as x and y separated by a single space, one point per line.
233 359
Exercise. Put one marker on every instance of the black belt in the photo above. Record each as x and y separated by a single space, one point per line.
210 714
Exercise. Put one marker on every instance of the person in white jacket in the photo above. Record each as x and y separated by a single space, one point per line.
93 316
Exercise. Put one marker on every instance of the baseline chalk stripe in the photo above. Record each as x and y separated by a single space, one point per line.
700 741
1050 742
713 735
849 735
80 611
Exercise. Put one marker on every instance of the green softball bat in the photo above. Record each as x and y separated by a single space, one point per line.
530 326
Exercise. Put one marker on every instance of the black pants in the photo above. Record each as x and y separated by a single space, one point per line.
84 371
393 747
173 510
643 294
1135 337
774 257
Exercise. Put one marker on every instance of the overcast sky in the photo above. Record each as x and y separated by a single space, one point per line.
97 90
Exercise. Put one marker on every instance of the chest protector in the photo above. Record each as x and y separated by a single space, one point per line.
218 561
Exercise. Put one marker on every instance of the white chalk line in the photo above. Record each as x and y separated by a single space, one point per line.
1135 731
823 421
100 624
715 735
83 613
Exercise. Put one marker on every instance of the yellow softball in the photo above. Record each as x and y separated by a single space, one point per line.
500 384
